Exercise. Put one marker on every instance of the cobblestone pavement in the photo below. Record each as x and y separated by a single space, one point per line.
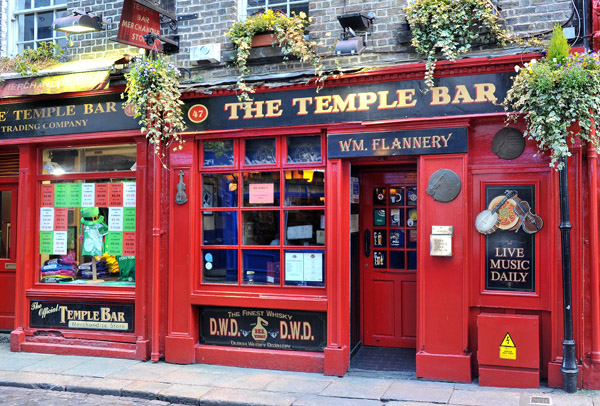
39 397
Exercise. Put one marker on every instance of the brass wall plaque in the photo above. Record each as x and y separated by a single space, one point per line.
440 245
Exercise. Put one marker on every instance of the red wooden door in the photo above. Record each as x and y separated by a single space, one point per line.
8 254
388 218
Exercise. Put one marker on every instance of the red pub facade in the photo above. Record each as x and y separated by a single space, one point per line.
288 231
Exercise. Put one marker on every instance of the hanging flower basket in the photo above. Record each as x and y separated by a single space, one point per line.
451 27
153 91
558 96
288 32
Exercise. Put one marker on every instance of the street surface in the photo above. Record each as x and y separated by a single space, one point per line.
39 397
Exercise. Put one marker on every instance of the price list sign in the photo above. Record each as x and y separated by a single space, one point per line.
57 199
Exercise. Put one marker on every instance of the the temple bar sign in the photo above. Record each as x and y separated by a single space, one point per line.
390 143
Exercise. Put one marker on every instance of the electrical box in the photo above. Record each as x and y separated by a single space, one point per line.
508 350
208 52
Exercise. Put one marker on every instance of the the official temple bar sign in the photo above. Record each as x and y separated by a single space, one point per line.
391 143
86 316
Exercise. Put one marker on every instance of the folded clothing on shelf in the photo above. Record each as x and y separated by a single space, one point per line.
56 278
85 270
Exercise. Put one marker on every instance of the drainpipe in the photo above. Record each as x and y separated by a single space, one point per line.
569 364
155 354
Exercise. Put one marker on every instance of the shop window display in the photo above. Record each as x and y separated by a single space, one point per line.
87 225
274 234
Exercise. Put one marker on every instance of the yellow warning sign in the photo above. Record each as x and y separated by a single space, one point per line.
508 349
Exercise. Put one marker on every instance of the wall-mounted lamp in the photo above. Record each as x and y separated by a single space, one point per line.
79 22
169 46
351 43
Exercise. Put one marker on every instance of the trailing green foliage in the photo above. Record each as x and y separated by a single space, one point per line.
290 33
153 90
30 60
558 96
452 27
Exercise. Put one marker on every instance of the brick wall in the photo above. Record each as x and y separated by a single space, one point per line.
215 16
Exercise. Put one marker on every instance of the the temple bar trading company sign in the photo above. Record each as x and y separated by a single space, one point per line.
262 328
389 143
452 96
89 316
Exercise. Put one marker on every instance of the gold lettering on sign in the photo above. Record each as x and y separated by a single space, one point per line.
508 263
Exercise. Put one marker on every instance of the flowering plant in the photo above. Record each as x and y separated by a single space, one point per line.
153 91
558 96
452 26
290 34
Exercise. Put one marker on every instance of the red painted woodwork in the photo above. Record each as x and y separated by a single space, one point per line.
337 194
259 358
8 275
443 348
389 295
523 331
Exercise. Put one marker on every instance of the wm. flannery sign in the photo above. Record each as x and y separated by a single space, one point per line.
389 143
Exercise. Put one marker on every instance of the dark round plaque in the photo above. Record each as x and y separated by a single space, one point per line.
444 185
508 143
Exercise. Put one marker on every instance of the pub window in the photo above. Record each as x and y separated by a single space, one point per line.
32 23
251 7
263 211
87 215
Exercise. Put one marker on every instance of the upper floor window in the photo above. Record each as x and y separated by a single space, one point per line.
33 23
250 7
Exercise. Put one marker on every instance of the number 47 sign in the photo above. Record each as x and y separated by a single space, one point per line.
197 113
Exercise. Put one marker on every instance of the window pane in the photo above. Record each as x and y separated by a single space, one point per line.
220 190
261 227
42 3
396 238
304 268
260 151
60 2
297 8
304 149
397 259
412 260
5 226
43 25
90 159
261 267
88 231
24 4
305 188
306 227
218 153
220 266
261 189
220 228
27 27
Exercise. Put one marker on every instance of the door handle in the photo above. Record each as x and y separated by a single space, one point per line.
367 241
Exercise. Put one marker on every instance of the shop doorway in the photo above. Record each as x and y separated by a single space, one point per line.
388 258
8 254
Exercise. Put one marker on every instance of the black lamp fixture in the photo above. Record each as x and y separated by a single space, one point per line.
350 42
79 22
